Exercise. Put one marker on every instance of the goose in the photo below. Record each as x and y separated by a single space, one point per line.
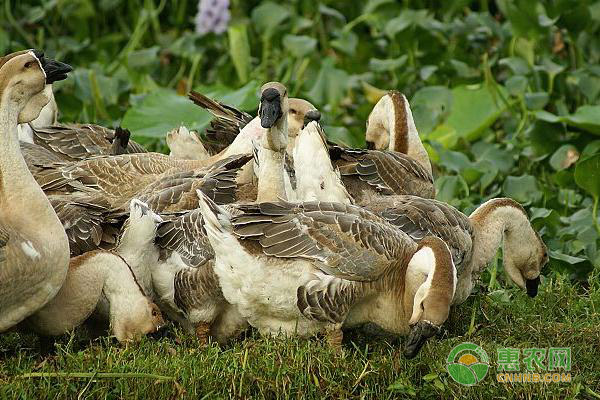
103 282
308 268
473 240
183 281
48 116
186 145
90 276
390 126
370 178
34 250
230 121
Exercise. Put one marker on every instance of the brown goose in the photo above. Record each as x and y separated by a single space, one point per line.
34 251
474 240
391 127
317 267
183 280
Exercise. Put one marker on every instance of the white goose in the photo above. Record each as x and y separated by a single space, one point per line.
473 240
34 251
301 269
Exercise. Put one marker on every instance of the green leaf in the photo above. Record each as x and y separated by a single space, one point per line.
449 188
565 156
523 189
516 85
239 50
537 100
345 42
473 111
244 98
162 111
391 64
331 84
299 46
565 257
585 117
587 175
268 16
430 107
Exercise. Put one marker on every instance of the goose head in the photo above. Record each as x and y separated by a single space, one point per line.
435 274
391 126
23 78
523 264
136 317
300 113
274 105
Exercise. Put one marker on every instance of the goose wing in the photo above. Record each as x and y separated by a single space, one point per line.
344 241
388 172
228 122
77 142
420 217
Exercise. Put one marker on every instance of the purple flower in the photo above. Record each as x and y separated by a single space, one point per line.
213 16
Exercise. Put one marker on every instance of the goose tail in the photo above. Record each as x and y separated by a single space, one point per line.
217 220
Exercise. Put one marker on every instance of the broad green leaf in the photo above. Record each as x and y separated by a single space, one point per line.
268 16
341 136
373 4
565 257
516 85
162 111
517 65
345 42
523 189
494 154
587 175
586 118
299 46
239 50
390 64
244 98
331 84
536 100
143 57
473 111
565 156
591 148
430 107
450 188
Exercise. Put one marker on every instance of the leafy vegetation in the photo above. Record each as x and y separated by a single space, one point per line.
505 97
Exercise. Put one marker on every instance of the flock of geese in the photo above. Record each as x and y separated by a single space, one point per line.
261 223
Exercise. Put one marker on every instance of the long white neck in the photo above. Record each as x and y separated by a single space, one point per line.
271 184
120 287
138 249
491 221
316 179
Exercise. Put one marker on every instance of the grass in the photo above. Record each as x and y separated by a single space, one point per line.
562 315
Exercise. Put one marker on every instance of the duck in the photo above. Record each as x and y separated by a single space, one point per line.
473 240
316 267
34 249
229 121
183 282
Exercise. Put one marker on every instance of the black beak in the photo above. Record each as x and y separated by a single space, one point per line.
270 108
532 286
312 115
370 145
419 334
55 70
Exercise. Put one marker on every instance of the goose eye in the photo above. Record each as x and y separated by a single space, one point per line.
293 112
28 64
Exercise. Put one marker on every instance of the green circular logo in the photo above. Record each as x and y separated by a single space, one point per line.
467 364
